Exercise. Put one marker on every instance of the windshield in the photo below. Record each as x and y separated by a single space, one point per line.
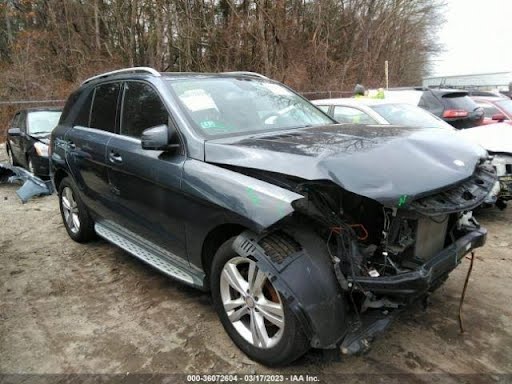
506 105
42 122
409 115
227 106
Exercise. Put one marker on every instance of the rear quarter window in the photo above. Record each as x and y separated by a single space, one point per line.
68 107
429 102
104 108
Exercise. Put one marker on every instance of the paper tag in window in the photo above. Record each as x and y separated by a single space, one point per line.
197 100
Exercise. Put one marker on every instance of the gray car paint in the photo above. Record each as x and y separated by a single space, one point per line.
380 162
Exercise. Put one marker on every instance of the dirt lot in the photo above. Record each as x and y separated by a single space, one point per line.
67 308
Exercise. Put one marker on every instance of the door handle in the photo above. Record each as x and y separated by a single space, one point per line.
115 157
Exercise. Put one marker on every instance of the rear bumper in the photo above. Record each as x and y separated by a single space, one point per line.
427 276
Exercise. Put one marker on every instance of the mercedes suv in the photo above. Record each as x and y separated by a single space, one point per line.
307 233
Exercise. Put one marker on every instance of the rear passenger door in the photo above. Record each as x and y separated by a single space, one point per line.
86 145
146 184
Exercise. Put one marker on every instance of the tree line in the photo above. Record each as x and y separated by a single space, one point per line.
47 47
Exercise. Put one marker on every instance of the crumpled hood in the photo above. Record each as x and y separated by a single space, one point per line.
492 137
380 162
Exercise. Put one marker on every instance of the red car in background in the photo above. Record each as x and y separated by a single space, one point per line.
496 109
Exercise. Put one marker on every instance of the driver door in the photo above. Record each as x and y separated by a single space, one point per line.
145 185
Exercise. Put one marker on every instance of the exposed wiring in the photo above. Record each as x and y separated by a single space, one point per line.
461 325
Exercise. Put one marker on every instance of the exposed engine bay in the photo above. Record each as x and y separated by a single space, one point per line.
382 257
389 256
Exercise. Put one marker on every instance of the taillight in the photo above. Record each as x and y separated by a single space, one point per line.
450 113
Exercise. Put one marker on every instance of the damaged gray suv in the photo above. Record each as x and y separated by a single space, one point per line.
308 233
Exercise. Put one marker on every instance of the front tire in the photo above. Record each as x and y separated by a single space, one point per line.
252 311
78 222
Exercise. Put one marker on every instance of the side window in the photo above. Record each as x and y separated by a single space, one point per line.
103 114
324 108
142 109
352 115
82 118
70 102
489 109
15 123
429 102
22 123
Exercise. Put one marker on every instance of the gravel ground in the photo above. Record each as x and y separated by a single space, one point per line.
68 308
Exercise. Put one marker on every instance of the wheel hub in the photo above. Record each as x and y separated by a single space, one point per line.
249 301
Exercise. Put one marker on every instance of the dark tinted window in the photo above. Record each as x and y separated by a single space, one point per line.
457 101
22 123
143 109
82 118
15 123
103 115
72 99
429 102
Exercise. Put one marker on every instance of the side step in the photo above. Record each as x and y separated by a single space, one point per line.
152 254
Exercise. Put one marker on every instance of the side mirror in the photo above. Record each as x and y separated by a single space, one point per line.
499 117
161 137
14 132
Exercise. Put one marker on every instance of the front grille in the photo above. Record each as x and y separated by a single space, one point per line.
463 196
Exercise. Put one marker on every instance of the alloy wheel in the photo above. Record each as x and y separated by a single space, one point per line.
251 303
70 210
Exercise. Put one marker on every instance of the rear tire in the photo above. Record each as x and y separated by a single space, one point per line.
258 320
76 217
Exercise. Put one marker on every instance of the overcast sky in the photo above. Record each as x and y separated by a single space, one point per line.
477 37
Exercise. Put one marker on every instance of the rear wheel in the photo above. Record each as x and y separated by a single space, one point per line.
252 310
78 222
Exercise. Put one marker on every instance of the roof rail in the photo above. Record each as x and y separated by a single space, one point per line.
247 73
149 70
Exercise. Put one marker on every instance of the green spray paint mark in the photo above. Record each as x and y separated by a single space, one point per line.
402 200
253 196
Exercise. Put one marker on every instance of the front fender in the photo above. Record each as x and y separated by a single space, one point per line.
307 281
259 202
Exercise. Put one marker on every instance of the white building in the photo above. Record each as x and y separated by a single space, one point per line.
484 81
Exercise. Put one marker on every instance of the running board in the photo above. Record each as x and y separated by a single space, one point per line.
159 258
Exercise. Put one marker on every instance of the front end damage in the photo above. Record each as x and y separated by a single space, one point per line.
357 263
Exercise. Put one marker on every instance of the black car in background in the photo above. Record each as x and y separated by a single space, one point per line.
452 105
307 233
28 137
